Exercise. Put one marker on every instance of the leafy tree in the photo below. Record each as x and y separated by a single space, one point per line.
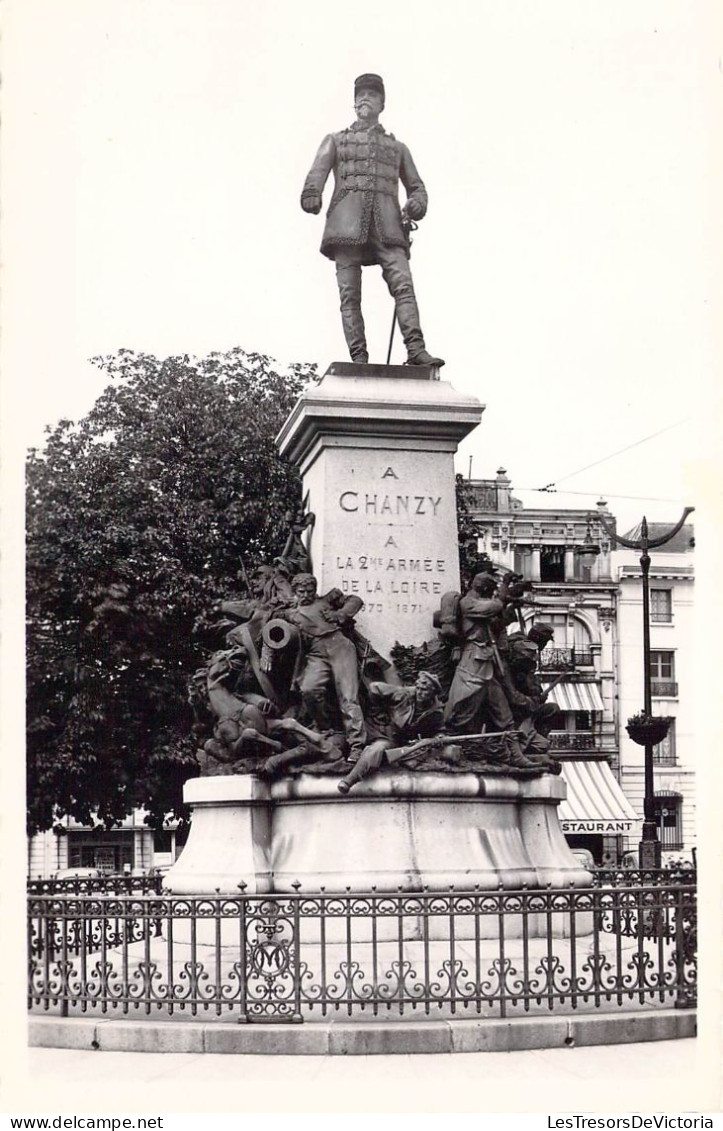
471 561
138 518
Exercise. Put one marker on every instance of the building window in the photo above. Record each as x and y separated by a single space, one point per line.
582 569
163 840
558 623
522 559
668 818
661 605
582 720
583 651
664 752
107 851
662 674
552 563
556 655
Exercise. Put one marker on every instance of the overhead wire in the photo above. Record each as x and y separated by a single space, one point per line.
599 494
553 484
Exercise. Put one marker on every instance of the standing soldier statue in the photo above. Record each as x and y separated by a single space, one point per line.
365 224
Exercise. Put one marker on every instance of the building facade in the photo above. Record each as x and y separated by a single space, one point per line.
129 847
672 681
567 556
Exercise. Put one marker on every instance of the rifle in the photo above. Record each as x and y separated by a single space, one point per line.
558 679
501 670
397 752
244 574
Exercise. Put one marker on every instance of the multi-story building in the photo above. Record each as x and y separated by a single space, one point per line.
131 846
672 674
566 554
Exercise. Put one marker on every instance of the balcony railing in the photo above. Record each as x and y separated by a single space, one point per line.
664 689
301 956
566 740
664 757
557 659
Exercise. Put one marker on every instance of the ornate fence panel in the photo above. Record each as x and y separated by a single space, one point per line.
300 956
111 884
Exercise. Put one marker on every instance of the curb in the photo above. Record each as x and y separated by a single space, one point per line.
368 1038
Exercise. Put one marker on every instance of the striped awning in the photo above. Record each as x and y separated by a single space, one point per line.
577 696
595 803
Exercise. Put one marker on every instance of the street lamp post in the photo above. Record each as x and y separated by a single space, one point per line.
649 849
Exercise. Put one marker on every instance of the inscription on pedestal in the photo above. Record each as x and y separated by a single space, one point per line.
400 582
392 541
377 458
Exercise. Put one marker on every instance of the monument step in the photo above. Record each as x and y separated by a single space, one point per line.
396 372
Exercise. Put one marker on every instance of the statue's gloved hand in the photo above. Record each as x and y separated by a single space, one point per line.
311 202
333 616
520 700
413 209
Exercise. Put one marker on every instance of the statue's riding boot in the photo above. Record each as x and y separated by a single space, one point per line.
348 277
408 318
354 775
517 758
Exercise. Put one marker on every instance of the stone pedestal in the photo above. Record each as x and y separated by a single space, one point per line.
415 830
375 446
230 838
395 830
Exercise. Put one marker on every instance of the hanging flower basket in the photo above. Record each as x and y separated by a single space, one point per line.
648 729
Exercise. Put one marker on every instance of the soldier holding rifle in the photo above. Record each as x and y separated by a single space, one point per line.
478 692
412 713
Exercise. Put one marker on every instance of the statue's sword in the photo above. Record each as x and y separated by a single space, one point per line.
408 225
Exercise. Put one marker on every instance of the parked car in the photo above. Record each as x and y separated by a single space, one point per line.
584 856
683 861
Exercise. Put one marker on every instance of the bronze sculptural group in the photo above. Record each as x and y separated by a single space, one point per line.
296 685
293 683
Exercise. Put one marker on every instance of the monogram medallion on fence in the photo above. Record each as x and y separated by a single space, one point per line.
272 958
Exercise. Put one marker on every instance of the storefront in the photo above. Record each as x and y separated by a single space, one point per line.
596 812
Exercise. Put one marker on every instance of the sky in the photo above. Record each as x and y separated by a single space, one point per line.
564 269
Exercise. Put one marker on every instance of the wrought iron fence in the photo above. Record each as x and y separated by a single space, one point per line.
112 883
302 956
675 873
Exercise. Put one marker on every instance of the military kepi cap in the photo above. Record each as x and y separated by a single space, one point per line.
371 82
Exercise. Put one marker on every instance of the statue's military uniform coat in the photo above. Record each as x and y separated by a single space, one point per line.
475 688
368 164
407 720
330 658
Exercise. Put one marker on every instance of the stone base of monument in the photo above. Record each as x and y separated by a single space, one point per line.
395 831
230 839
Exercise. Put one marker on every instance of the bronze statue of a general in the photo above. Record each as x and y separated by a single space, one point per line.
364 223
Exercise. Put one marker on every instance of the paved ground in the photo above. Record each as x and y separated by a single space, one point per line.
663 1076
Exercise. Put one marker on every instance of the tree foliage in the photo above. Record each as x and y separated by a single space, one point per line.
468 531
138 519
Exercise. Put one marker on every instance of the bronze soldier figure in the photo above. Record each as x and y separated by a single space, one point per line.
412 713
364 223
478 691
330 658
